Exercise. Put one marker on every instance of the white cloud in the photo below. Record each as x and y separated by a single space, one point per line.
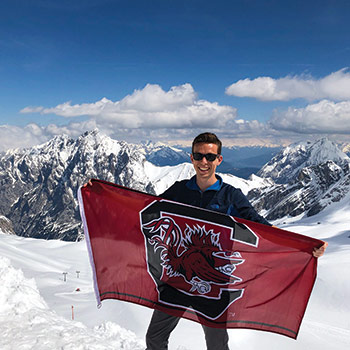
152 98
31 109
335 86
154 114
151 107
177 115
12 136
19 137
323 117
235 132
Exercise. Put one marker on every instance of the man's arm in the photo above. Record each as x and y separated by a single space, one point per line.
245 209
169 193
174 192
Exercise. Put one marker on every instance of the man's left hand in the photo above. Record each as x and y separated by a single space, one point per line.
318 252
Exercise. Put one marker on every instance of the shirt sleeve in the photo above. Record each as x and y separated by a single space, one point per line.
246 210
170 193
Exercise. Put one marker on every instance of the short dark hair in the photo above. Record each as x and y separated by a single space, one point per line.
207 137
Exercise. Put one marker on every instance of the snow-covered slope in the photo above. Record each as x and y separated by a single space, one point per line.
27 322
254 182
163 177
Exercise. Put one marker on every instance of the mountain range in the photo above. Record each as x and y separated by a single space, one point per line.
308 176
38 186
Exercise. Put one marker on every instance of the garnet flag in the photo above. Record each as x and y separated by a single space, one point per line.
205 266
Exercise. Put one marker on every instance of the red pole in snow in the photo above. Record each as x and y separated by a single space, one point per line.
72 312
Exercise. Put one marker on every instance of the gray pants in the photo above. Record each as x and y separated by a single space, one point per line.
162 325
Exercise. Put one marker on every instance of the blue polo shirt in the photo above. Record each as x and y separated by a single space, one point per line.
220 197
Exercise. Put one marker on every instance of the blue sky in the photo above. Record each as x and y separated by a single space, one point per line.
254 72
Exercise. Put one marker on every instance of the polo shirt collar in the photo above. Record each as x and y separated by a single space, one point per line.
192 184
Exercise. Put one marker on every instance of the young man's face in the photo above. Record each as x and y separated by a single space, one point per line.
205 169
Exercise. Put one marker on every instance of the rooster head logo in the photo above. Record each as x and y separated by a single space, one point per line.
195 255
190 256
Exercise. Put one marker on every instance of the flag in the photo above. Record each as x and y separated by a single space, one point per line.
202 265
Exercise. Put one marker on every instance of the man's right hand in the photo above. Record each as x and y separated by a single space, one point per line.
89 183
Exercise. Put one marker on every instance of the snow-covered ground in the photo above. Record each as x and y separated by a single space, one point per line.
38 301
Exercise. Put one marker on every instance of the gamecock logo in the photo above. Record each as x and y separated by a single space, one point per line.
191 256
196 254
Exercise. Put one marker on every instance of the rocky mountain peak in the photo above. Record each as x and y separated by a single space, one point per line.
309 176
287 164
324 150
38 185
160 154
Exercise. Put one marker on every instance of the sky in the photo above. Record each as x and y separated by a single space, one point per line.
254 72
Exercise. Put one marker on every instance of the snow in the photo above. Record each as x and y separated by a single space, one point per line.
162 177
324 150
36 302
36 313
246 185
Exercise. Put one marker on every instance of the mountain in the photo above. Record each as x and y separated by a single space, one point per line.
345 147
252 156
287 164
308 177
38 186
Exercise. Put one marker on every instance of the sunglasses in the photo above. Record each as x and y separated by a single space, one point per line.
210 157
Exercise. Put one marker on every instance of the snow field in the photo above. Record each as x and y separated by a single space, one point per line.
27 322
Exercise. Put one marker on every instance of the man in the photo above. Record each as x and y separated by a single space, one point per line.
205 190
